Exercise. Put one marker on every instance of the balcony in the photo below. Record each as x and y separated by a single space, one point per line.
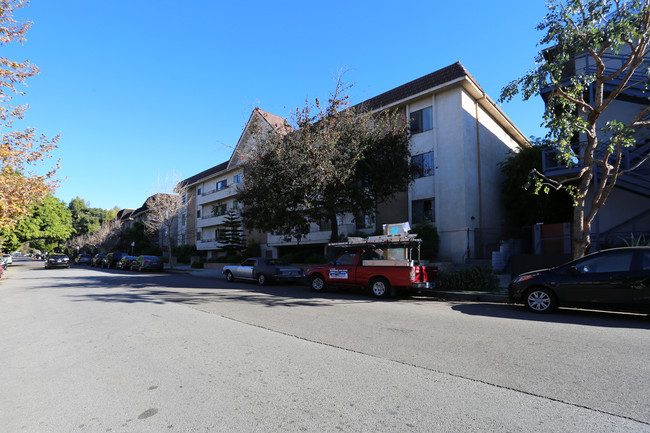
210 220
208 244
314 237
637 180
216 195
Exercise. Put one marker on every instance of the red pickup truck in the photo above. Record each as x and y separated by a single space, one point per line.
364 264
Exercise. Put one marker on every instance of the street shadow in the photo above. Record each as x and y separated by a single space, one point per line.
187 289
570 316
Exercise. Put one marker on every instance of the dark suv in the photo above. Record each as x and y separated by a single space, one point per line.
111 259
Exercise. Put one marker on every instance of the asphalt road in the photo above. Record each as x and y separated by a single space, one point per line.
93 350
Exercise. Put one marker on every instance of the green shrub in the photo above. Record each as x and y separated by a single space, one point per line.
233 258
476 278
315 259
253 249
430 240
184 253
197 265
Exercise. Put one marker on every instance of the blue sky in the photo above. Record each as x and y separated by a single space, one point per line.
142 91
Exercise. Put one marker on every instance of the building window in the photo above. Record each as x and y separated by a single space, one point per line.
219 209
235 204
421 120
237 178
198 236
222 184
220 234
183 219
364 222
184 198
199 190
423 211
198 213
422 164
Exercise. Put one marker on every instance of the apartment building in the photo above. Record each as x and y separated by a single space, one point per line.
459 135
211 193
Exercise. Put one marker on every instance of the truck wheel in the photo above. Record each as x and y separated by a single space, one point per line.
317 283
380 287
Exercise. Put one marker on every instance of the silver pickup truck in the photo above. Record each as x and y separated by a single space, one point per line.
263 271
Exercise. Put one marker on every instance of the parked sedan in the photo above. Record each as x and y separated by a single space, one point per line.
96 262
111 260
614 279
57 261
125 262
8 259
263 271
147 263
83 259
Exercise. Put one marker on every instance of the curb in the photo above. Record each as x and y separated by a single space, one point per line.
465 296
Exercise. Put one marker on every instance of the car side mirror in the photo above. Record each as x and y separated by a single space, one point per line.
572 270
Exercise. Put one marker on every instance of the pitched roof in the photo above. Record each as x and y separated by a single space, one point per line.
204 173
419 85
279 124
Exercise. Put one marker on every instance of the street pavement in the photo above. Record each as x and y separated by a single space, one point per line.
97 351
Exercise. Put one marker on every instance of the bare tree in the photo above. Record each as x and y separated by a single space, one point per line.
162 215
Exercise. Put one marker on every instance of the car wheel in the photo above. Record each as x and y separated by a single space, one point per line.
261 279
229 276
380 287
317 283
540 300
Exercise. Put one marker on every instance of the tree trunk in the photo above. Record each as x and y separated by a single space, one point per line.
334 237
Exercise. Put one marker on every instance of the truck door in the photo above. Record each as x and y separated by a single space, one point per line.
342 272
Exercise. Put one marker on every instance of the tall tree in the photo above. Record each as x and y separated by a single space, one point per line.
338 160
613 36
524 205
233 240
48 225
83 221
20 150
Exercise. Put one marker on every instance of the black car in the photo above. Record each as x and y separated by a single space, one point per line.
83 259
111 260
147 263
614 279
125 262
96 262
57 261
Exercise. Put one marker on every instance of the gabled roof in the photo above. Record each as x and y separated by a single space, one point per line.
279 124
419 85
276 123
147 203
205 173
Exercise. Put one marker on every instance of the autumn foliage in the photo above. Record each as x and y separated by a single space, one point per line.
21 151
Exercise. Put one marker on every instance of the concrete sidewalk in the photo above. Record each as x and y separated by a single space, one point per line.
479 296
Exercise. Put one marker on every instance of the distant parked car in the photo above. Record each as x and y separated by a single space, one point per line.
111 259
125 262
83 259
57 261
96 262
263 271
147 263
615 279
8 259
